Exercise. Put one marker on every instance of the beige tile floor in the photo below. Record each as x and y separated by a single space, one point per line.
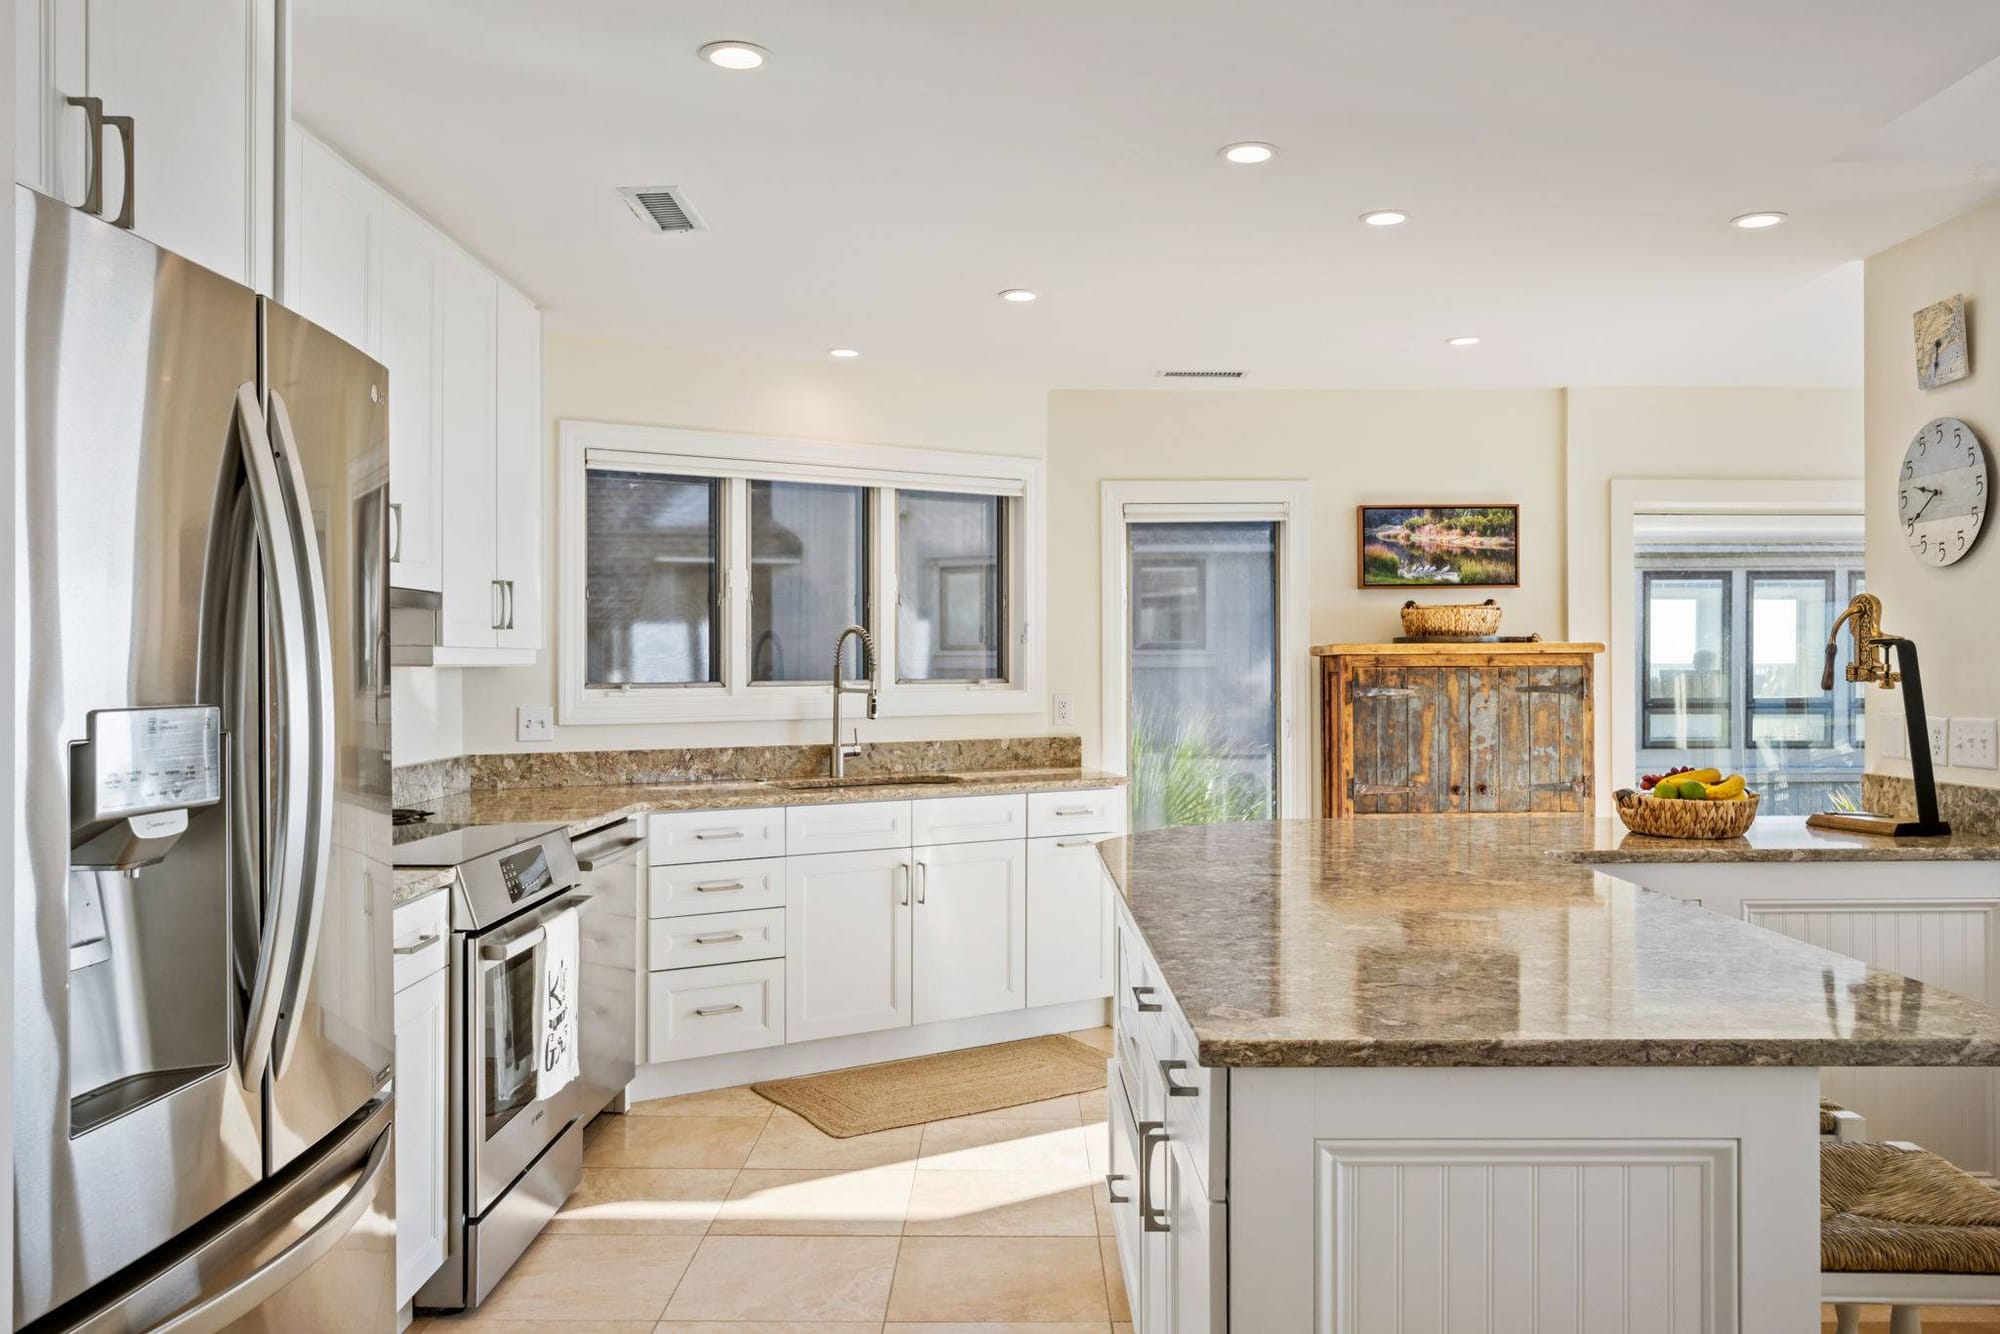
718 1213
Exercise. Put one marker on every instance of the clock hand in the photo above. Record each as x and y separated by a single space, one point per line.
1928 502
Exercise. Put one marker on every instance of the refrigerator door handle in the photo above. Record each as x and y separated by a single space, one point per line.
246 1294
278 935
318 845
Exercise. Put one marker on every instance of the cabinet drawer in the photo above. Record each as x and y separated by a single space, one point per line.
706 1011
712 938
675 837
1097 811
420 929
968 819
1122 1185
1194 1101
707 887
854 827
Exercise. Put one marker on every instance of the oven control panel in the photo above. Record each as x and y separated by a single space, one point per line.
526 874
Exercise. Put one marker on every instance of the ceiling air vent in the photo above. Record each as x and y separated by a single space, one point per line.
1201 375
661 207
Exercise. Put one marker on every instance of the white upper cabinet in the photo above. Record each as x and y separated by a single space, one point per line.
518 468
186 151
464 354
412 348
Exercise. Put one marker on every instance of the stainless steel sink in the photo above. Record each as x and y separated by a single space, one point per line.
864 780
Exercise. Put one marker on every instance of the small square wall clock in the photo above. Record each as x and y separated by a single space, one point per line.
1940 343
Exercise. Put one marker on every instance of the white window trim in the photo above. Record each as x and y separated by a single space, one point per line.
1631 497
885 467
1287 503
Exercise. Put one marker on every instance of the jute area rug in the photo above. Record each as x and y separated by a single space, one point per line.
844 1103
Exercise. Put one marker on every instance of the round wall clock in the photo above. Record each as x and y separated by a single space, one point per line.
1942 492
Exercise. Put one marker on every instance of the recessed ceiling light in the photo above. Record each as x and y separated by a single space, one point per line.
1463 340
1751 222
843 352
1017 294
1248 152
734 55
1385 217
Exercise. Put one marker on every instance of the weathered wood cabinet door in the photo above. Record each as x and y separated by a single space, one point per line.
1458 733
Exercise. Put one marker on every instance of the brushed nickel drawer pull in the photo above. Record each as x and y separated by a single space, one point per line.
1151 1133
710 1011
1167 1070
720 887
1071 812
1111 1179
732 938
717 835
1076 842
1141 1004
420 944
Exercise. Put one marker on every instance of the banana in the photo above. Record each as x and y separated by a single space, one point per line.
1728 790
1702 776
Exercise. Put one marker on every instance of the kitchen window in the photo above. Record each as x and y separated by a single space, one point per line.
715 573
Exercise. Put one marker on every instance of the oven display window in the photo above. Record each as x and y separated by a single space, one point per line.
526 873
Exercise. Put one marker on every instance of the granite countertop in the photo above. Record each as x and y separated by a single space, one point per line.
1456 941
1771 839
589 807
417 884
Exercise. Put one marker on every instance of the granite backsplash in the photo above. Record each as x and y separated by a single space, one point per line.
416 784
1966 808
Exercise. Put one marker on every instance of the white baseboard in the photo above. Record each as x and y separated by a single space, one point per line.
669 1078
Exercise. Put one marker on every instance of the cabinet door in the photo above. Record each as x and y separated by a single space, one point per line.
470 595
1530 738
1408 738
198 78
970 936
1122 1185
847 953
1195 1240
1069 921
333 272
517 476
410 348
421 1048
49 152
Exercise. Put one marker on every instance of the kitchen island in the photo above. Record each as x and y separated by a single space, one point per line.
1410 1073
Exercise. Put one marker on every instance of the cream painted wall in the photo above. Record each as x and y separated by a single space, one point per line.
1354 447
1709 434
1950 613
606 380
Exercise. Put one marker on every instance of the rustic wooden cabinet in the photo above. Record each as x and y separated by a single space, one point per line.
1456 728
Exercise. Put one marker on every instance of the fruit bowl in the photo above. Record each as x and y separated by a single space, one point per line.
1644 814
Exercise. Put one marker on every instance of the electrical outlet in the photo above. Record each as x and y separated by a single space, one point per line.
1973 743
1064 713
1940 738
1895 734
534 724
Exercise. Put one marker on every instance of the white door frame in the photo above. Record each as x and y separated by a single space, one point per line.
1285 502
1631 497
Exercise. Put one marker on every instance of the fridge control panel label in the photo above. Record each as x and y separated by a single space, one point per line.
140 760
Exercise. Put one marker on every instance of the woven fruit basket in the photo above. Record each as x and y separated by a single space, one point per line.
1454 618
1645 814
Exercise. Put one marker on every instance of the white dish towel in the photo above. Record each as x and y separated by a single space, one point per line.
561 957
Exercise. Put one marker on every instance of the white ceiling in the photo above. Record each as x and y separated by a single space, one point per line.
1569 167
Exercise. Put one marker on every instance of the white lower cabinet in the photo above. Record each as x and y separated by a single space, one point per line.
707 1011
421 1080
969 935
1069 921
847 930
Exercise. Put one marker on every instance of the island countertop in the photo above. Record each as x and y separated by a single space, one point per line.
1458 941
1770 839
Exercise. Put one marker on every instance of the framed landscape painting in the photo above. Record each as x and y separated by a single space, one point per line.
1440 546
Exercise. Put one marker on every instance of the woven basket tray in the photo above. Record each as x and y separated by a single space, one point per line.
1457 618
1645 814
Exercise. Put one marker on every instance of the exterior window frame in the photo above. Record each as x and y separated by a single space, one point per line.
737 460
1652 705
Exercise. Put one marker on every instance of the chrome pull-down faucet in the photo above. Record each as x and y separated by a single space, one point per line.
841 752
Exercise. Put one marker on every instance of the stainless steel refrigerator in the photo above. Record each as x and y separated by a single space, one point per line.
203 1022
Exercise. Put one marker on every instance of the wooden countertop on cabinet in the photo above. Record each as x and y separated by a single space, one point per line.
1457 728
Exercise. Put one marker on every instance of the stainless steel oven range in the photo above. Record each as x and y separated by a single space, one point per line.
516 1137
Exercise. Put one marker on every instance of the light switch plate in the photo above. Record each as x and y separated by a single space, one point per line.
1064 712
1940 738
1973 743
534 724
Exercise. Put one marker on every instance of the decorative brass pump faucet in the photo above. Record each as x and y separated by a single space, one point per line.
1871 664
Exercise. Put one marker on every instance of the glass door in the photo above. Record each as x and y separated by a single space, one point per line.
510 1038
1203 671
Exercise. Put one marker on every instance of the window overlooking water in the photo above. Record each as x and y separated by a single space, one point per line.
1734 611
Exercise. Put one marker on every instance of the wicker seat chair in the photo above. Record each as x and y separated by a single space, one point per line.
1900 1226
1837 1123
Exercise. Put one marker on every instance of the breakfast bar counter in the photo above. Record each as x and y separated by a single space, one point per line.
1370 1070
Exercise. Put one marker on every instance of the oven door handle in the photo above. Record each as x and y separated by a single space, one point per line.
502 950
